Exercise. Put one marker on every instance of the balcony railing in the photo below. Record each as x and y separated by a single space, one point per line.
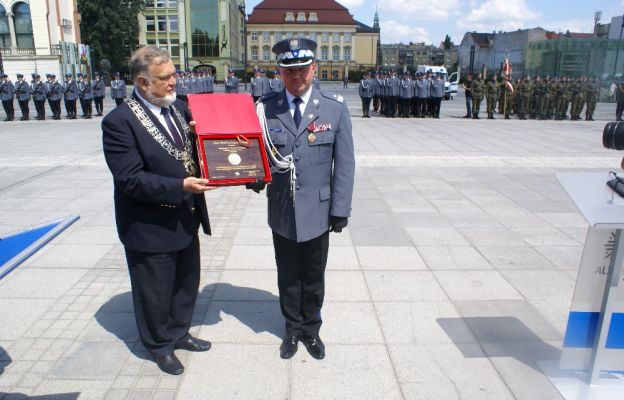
21 51
5 51
55 50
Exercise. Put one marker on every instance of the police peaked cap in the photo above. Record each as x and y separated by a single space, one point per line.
2 76
20 75
68 75
294 53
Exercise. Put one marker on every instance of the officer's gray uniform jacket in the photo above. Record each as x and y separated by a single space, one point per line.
7 91
422 88
266 85
81 88
325 165
277 85
405 89
87 90
22 90
181 86
118 89
377 87
192 85
231 84
257 86
392 87
70 90
56 91
437 88
367 88
201 84
210 84
39 91
316 83
99 89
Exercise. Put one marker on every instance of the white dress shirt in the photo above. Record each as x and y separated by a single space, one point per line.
157 111
302 105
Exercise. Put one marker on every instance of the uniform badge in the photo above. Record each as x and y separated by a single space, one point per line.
294 44
280 102
310 116
311 138
315 102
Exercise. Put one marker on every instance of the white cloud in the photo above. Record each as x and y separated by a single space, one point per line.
417 10
395 32
572 25
499 15
351 3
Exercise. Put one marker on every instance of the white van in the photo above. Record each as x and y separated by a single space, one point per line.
450 85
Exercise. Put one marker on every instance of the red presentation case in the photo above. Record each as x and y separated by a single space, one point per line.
229 139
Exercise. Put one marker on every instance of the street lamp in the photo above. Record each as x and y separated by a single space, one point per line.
241 8
617 50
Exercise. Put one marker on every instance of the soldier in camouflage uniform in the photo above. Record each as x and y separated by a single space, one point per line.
552 98
591 93
478 87
562 101
581 98
491 95
525 89
575 99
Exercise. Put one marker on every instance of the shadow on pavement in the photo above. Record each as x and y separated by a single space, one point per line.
257 309
499 337
59 396
5 360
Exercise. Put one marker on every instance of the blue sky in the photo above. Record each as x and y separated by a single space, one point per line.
418 21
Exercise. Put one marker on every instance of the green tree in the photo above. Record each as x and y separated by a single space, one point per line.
111 29
447 42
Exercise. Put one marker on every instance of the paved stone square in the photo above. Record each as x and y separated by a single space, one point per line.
454 277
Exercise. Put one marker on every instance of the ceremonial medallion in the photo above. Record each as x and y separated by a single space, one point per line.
311 138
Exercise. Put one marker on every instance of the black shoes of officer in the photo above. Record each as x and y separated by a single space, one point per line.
192 344
314 345
288 348
170 364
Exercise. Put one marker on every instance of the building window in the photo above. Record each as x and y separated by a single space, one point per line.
266 36
324 74
150 25
336 53
151 42
290 17
254 53
336 38
324 53
172 4
254 36
149 3
162 23
347 53
301 17
173 23
160 3
335 75
347 37
204 22
325 37
313 17
266 53
175 50
278 36
23 26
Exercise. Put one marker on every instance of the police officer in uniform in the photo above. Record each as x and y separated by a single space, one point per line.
7 93
70 94
437 93
315 127
55 96
277 85
231 83
99 92
40 94
118 89
209 83
257 86
81 93
405 95
22 92
366 90
87 97
392 91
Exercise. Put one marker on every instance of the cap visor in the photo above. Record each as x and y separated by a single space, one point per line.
296 64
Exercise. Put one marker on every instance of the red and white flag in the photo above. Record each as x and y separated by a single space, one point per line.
507 67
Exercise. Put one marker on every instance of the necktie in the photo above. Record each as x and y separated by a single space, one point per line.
172 129
297 114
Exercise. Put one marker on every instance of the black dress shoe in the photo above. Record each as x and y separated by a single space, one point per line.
193 344
315 346
170 364
288 347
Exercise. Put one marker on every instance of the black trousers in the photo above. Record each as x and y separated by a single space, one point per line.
437 103
70 107
404 104
430 106
392 102
383 105
619 109
23 105
119 100
83 106
164 291
88 109
420 107
40 107
99 105
55 105
301 282
8 108
366 101
375 103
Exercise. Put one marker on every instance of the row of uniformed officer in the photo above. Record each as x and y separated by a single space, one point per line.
195 82
261 85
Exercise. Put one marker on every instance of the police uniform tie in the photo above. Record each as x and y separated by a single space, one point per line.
297 115
172 129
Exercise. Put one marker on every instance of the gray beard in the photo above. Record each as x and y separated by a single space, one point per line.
162 102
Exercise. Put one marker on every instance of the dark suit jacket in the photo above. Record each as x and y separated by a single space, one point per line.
153 213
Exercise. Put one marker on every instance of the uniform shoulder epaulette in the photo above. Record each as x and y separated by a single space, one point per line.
335 97
268 96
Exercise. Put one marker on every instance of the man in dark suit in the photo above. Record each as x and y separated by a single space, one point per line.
159 205
313 129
